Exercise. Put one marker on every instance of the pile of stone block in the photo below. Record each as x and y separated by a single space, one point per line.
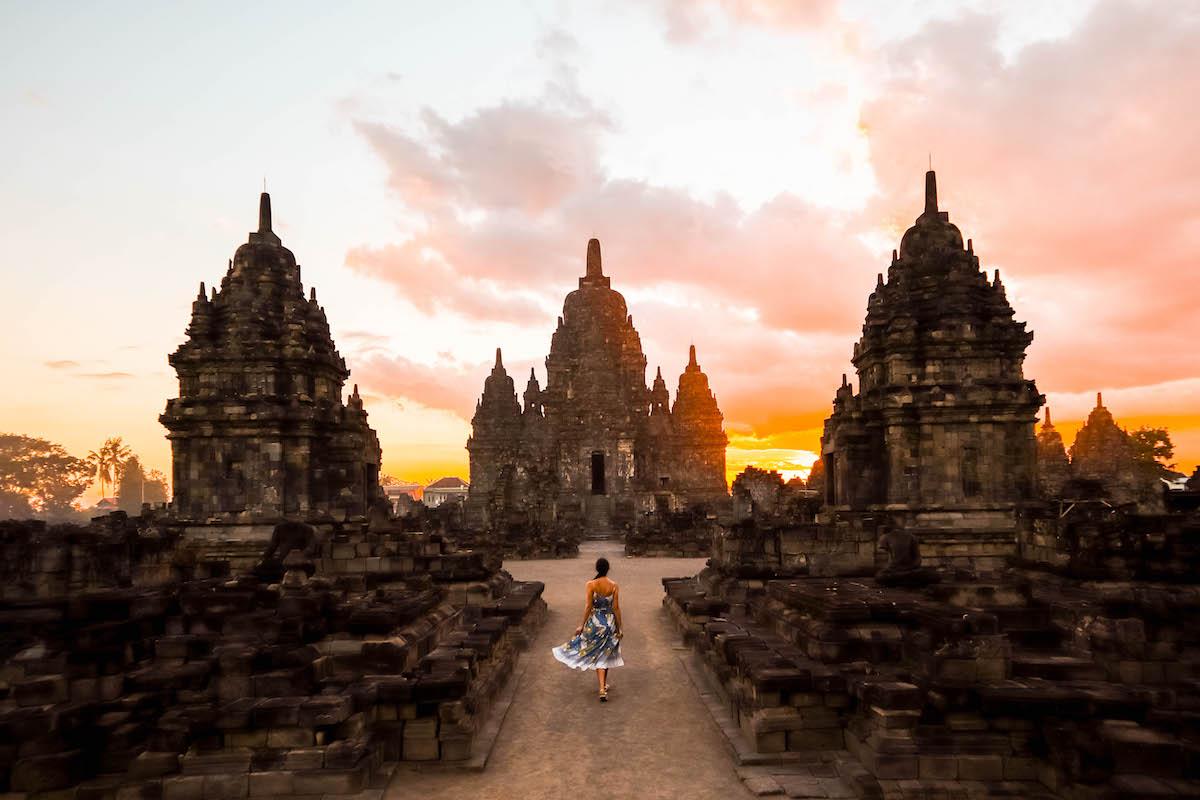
382 648
38 559
1026 683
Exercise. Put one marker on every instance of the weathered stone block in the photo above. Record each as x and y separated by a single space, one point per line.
980 768
41 691
938 768
226 787
329 781
42 773
183 787
270 784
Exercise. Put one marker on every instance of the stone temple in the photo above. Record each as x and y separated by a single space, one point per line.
596 445
259 432
939 436
969 614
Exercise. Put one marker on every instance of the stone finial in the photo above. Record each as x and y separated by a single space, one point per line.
1048 423
203 294
594 265
499 362
312 294
658 374
692 356
931 203
895 256
970 246
844 379
1099 400
878 281
264 213
996 278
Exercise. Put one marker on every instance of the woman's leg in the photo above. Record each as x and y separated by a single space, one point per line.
602 675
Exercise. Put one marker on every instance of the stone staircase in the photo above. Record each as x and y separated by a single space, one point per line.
598 525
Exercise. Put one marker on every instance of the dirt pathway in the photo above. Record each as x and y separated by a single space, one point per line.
653 739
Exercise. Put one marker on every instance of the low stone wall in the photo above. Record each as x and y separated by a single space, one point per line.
39 560
1090 539
522 542
1022 684
682 535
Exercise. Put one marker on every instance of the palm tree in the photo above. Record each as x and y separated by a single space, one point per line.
99 464
109 462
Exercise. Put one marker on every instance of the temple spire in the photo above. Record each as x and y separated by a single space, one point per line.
499 363
692 356
931 203
1099 400
1048 423
264 213
594 265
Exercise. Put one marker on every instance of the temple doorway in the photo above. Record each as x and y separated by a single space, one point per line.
598 486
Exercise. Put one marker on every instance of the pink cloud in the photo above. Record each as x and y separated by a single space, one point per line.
687 20
488 239
755 289
1073 169
1071 166
445 385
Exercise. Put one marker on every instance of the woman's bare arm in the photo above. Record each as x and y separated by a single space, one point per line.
617 608
587 610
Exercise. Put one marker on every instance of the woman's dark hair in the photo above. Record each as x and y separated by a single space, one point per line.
601 567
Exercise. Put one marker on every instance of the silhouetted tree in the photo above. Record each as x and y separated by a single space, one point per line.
1153 451
131 486
108 462
136 486
156 487
38 476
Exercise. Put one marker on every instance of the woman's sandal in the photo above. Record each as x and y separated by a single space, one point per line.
604 695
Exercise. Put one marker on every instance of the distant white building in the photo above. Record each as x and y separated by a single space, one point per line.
396 491
444 489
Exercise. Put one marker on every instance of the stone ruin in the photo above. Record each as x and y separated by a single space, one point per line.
1103 465
939 437
164 673
275 631
944 626
1054 468
595 450
259 432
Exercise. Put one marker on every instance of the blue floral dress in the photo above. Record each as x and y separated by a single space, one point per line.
598 646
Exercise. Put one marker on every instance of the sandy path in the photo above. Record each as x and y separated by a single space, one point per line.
653 739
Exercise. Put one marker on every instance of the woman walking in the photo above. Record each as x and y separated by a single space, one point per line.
597 642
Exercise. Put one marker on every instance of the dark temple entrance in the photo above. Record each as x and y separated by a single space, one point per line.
598 486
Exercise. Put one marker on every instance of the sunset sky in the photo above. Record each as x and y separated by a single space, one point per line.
748 166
